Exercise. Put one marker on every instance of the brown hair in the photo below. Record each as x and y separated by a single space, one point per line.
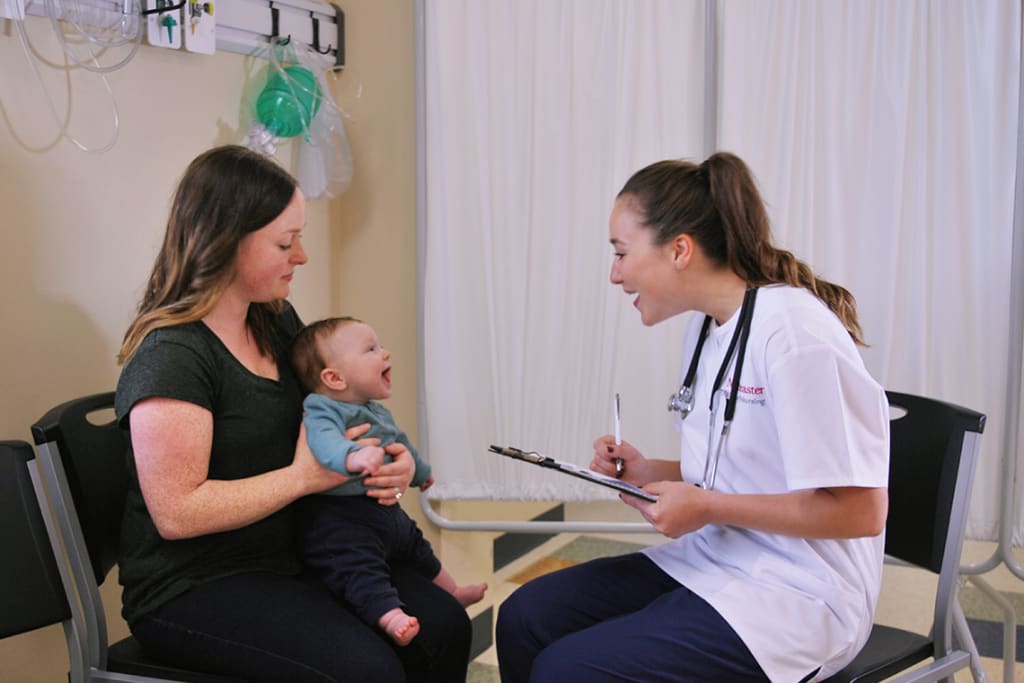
225 194
718 204
307 358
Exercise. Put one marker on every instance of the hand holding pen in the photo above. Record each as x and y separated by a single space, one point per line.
620 466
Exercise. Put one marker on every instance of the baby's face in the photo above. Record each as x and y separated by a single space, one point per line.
355 353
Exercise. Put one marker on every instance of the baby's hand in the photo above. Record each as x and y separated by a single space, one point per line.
365 460
427 484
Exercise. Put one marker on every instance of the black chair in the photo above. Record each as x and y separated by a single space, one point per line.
933 452
81 455
31 593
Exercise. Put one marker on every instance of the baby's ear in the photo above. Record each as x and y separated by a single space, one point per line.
332 380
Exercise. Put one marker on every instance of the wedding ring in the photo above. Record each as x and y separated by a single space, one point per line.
398 493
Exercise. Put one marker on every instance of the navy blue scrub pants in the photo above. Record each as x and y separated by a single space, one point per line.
617 619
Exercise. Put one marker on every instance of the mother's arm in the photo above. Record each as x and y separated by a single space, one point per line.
172 439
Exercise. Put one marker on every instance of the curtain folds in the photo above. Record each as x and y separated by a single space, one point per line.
883 136
536 114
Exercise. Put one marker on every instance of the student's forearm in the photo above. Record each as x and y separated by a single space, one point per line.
848 512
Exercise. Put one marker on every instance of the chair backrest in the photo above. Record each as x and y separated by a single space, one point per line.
31 592
927 448
94 458
933 452
82 458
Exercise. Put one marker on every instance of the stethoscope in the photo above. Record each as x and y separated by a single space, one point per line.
682 400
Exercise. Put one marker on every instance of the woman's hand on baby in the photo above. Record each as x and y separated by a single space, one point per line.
353 434
310 474
392 480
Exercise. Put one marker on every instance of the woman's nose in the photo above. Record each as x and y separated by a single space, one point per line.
299 254
614 276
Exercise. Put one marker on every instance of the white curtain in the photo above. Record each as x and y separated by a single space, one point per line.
885 144
536 114
883 136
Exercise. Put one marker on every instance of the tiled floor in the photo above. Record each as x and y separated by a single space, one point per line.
903 589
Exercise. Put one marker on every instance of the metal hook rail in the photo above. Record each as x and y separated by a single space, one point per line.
252 27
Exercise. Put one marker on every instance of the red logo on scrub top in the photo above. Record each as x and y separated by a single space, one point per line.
747 394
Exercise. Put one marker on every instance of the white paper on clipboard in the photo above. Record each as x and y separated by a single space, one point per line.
573 470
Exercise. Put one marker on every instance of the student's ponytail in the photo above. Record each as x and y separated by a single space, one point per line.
718 204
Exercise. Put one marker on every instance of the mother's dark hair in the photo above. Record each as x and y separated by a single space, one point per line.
225 194
718 204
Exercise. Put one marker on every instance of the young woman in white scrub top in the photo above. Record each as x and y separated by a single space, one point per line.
774 564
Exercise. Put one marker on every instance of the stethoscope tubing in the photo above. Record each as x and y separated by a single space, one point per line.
683 399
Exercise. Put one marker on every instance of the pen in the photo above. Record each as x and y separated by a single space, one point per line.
619 465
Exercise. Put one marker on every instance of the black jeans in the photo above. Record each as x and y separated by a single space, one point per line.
265 627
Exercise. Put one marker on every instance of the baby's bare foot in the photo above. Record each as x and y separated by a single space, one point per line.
468 595
400 626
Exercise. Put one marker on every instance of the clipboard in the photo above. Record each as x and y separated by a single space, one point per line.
573 470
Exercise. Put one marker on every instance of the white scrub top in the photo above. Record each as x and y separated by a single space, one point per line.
808 416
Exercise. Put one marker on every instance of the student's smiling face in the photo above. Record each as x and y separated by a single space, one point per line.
641 267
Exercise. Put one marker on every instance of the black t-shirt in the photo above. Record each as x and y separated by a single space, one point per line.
255 425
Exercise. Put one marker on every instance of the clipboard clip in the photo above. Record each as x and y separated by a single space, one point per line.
518 454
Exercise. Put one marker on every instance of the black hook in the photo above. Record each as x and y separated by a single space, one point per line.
316 36
274 30
160 10
339 20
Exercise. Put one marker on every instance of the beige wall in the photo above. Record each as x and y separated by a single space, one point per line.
80 230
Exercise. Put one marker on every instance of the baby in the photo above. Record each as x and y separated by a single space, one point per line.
352 540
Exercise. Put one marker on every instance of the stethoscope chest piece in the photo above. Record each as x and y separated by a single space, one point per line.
681 401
